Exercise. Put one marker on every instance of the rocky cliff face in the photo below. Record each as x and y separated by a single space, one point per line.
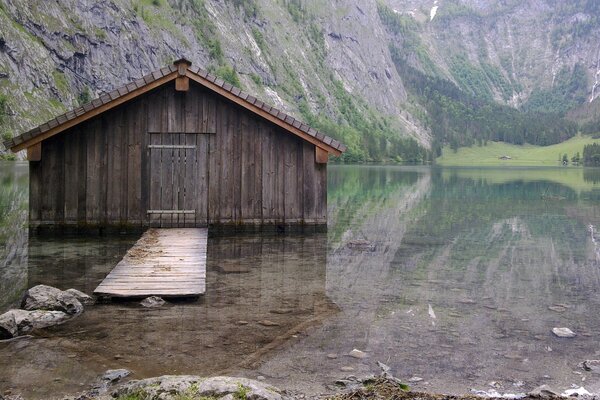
309 57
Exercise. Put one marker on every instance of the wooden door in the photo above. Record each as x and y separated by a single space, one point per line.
178 180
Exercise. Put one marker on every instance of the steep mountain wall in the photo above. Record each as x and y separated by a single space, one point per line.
326 61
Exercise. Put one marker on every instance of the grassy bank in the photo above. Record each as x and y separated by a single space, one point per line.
521 155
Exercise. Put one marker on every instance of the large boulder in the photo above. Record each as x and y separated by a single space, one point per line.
42 297
43 319
15 323
8 325
221 387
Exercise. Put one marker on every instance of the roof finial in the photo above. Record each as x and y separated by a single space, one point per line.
183 60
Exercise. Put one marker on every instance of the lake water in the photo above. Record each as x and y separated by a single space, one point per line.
456 276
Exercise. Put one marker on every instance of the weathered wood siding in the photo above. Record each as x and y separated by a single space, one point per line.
171 150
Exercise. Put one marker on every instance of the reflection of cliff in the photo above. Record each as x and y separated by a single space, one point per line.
500 265
361 259
370 210
13 232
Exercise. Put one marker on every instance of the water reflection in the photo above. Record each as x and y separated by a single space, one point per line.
453 275
13 233
461 277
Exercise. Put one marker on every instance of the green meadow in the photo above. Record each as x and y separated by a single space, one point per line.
520 155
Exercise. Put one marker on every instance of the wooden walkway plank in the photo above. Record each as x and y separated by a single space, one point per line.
163 262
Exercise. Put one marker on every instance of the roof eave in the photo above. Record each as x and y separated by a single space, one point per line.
256 106
91 113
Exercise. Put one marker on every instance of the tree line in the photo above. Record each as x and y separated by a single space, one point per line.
460 119
591 155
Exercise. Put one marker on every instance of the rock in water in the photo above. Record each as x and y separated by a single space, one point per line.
23 320
171 387
591 365
15 323
357 354
83 298
42 297
266 322
563 332
153 302
543 391
8 325
43 319
115 375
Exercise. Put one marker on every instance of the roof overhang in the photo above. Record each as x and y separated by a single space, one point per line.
181 71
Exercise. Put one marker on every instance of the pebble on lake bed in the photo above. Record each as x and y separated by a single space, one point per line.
357 354
564 332
266 322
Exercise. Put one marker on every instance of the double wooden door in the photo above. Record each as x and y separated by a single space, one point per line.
178 180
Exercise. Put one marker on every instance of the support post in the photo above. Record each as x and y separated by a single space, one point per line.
321 155
34 153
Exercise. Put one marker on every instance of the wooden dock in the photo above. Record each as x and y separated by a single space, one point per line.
164 262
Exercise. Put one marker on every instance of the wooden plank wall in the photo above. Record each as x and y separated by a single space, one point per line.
244 169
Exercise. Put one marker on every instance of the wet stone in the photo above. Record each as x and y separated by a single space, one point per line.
42 297
564 332
8 325
543 391
357 354
169 387
591 365
266 322
83 298
281 311
556 308
115 375
153 302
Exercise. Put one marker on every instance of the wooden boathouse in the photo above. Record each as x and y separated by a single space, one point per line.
176 148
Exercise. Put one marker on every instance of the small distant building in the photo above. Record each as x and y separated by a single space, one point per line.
176 148
505 157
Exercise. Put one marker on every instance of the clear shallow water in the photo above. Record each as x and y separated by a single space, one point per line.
445 274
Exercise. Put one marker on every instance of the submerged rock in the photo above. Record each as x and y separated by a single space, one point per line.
83 298
8 325
153 302
357 354
591 365
42 297
564 332
44 319
15 323
580 391
174 387
115 375
543 391
266 322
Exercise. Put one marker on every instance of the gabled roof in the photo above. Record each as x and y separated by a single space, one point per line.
181 68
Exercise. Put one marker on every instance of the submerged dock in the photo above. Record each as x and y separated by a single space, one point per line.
163 262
